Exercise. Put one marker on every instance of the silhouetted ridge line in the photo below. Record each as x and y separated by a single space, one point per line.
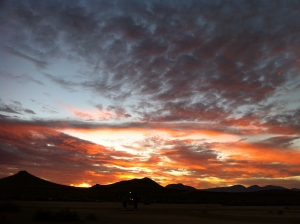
23 179
180 186
25 186
136 183
241 188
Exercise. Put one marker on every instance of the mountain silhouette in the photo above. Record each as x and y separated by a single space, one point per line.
25 186
23 179
295 189
241 188
254 188
136 183
180 186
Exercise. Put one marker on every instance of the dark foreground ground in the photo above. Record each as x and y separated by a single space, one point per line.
111 213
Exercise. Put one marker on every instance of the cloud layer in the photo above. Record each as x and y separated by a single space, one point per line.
189 69
46 149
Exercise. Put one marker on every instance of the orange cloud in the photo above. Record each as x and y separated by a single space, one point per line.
260 152
167 159
92 114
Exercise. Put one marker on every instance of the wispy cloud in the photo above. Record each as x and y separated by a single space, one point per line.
39 64
24 78
15 108
7 109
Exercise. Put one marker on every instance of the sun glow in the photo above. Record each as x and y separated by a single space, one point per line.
83 184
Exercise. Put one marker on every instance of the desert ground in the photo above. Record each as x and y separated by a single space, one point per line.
111 212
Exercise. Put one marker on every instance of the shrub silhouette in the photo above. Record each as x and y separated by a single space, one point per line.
64 215
9 207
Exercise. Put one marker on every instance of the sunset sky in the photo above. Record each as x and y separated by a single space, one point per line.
204 93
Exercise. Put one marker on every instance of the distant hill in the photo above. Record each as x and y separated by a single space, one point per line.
136 184
180 186
295 189
23 179
24 185
241 188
